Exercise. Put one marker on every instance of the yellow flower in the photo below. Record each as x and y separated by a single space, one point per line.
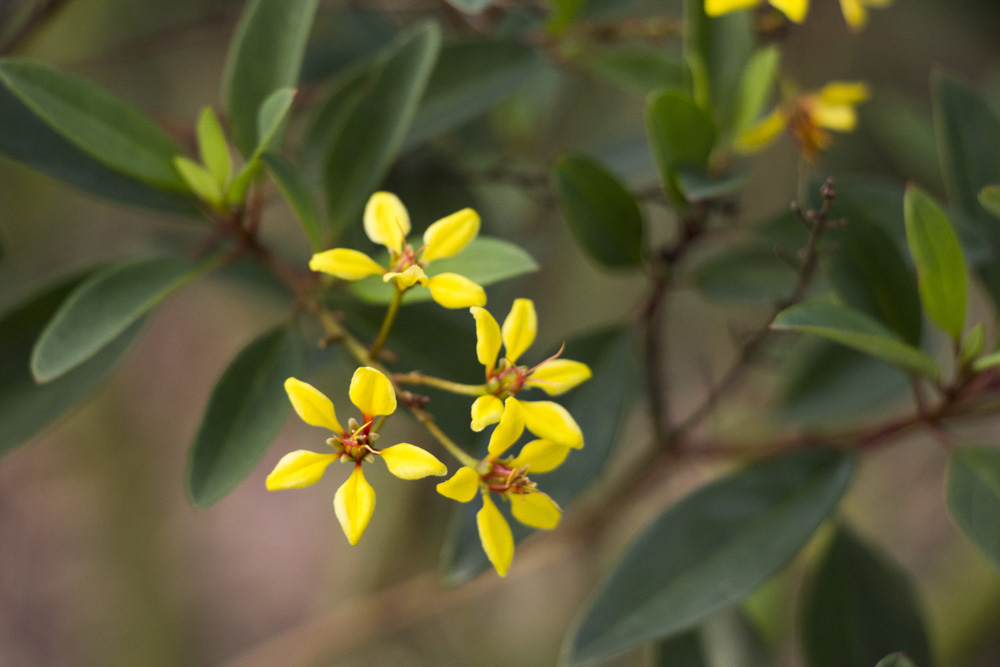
554 376
387 223
855 11
354 502
807 117
508 478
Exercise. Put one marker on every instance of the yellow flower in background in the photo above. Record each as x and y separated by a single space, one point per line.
354 502
554 376
855 11
508 478
808 117
387 223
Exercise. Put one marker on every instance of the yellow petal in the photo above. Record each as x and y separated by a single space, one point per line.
312 405
761 135
299 469
541 456
407 461
557 376
795 10
840 118
498 542
486 410
841 93
354 505
719 7
551 421
854 13
386 221
536 510
520 328
449 236
462 486
372 393
454 291
408 278
487 338
509 429
344 263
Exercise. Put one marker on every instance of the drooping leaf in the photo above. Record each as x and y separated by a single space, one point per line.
603 216
756 86
989 199
859 607
855 330
244 414
638 68
97 122
372 132
102 308
265 55
745 275
26 407
938 256
973 494
684 650
484 261
710 550
294 189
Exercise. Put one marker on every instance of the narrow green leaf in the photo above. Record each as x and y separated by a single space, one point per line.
756 86
213 147
859 607
201 182
972 345
270 117
265 54
26 407
684 650
603 216
745 275
102 308
991 360
99 123
973 494
347 90
989 198
638 68
855 330
293 188
244 414
484 261
938 256
373 132
709 551
895 660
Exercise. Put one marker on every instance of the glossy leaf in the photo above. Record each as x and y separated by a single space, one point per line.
265 55
294 189
938 256
756 86
973 494
324 128
484 261
97 122
638 68
716 50
245 413
684 650
102 308
680 133
855 330
709 551
989 199
744 275
603 216
860 607
373 131
27 407
270 117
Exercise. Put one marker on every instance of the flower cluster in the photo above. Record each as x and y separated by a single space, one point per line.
855 11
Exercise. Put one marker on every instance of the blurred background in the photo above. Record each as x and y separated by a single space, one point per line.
104 562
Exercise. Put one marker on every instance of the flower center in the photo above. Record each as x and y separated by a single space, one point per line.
507 379
358 445
502 478
406 259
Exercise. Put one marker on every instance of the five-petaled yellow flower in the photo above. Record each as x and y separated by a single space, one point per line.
387 222
855 11
508 477
354 503
546 419
808 117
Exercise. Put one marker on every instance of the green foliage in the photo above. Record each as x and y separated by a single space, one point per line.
745 275
973 494
681 134
684 650
717 50
641 69
895 660
989 198
710 550
213 147
602 214
756 87
295 190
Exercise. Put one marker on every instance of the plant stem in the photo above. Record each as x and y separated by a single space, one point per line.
416 377
387 322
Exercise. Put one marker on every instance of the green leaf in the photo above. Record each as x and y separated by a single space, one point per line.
26 407
895 660
99 123
745 275
293 188
989 198
201 182
265 54
684 650
972 345
244 414
470 6
564 12
973 494
938 256
270 117
213 147
469 79
371 135
756 86
710 550
484 261
855 330
859 607
991 360
639 68
324 128
102 308
680 133
602 214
